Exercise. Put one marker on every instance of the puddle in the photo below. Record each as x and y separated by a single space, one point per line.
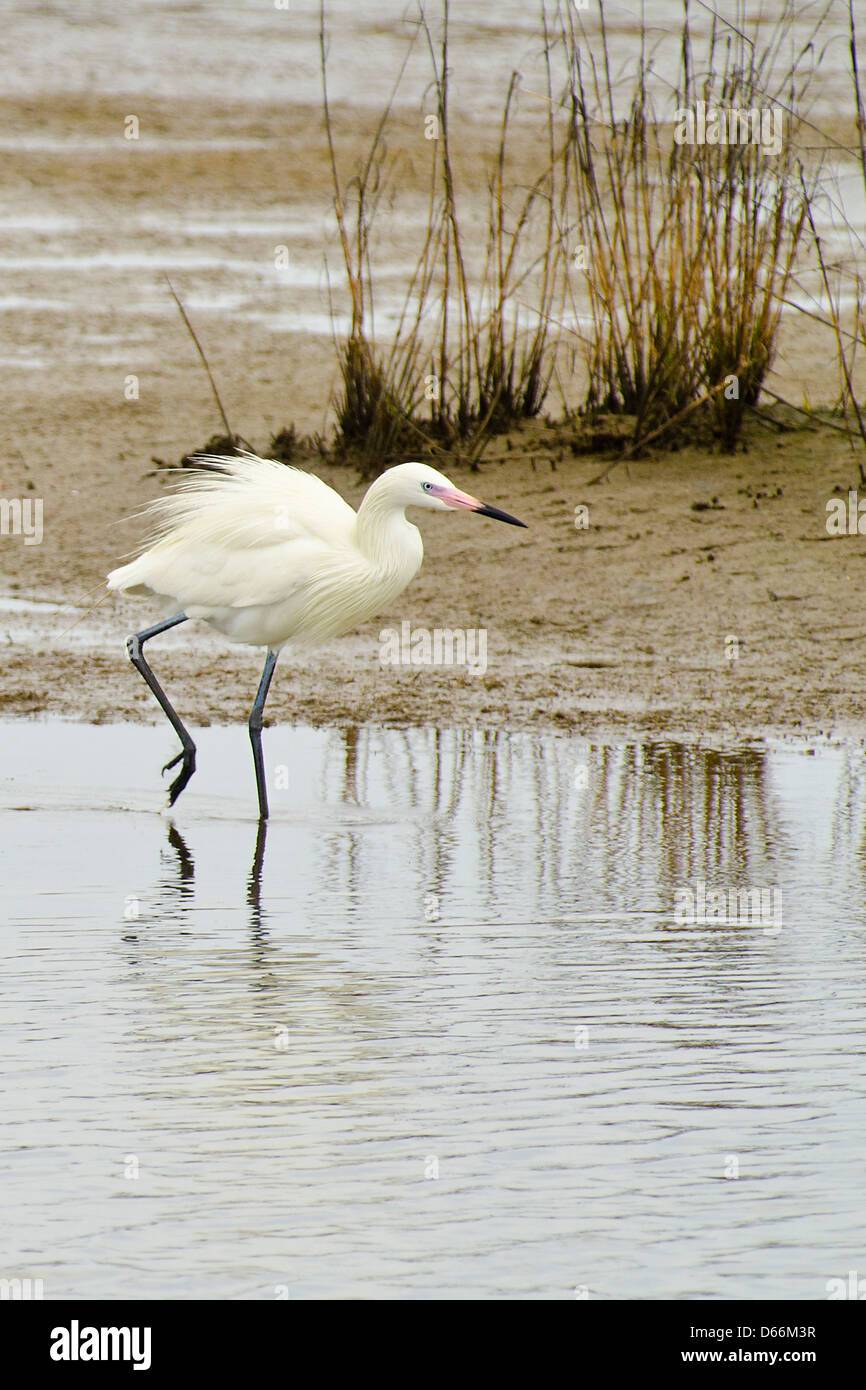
442 1032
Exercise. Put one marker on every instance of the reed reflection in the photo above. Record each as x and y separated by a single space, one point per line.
489 819
503 827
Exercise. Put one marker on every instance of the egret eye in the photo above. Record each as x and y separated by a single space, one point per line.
427 486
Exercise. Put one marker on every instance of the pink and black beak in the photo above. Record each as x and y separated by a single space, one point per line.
452 497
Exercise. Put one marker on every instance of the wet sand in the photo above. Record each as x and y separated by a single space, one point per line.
628 623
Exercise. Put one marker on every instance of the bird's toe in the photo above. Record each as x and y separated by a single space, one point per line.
186 757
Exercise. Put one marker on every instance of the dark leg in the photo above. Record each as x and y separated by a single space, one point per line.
187 753
256 718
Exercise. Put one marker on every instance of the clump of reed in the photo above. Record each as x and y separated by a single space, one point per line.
378 400
663 262
848 329
687 248
461 364
499 372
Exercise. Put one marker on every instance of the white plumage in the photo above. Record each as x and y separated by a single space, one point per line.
268 554
265 553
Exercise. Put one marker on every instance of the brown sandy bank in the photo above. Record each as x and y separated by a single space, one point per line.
704 596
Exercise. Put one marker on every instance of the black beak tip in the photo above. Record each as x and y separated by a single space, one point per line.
500 516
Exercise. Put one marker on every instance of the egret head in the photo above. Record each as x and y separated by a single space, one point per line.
419 485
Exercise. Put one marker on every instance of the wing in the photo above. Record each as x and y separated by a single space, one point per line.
212 576
245 501
245 531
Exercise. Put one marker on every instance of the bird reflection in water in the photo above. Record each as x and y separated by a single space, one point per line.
177 883
177 887
254 884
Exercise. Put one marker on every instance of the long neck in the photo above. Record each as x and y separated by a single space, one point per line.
382 533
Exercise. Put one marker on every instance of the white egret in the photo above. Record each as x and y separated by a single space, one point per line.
268 554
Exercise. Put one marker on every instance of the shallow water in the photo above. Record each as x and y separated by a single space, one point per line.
234 1068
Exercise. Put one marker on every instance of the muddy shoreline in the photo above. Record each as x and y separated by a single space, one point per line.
703 597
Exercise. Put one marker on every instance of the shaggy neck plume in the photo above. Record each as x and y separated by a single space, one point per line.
383 534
